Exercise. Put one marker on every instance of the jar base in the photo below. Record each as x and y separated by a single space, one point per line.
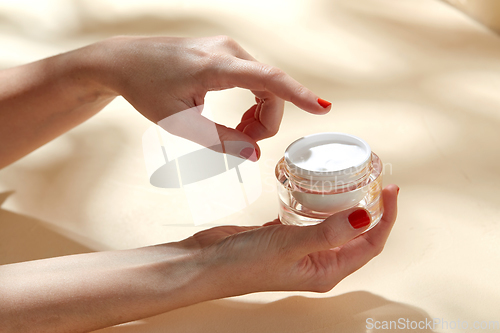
290 216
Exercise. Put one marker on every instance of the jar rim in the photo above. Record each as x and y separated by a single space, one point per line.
351 168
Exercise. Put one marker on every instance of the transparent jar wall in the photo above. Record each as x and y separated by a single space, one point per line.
293 212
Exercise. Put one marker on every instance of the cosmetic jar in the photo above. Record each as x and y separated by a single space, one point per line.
325 173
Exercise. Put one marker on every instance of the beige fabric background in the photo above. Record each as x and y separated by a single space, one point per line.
417 79
485 11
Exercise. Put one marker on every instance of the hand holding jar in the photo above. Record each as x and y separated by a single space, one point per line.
278 257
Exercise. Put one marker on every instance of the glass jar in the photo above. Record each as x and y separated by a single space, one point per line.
325 173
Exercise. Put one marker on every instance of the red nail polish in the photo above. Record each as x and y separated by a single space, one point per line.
359 219
249 154
398 190
324 103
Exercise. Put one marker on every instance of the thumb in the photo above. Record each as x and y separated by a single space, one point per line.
191 125
237 143
333 232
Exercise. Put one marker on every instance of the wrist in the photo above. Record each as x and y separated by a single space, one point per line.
221 273
90 68
106 66
178 276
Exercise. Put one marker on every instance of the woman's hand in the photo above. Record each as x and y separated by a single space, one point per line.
163 76
283 257
165 79
84 292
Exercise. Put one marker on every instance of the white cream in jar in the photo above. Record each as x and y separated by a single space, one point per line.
325 173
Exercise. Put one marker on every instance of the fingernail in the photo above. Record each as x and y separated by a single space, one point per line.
249 154
359 219
324 103
258 153
398 191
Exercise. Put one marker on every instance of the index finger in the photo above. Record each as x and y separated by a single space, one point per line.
261 77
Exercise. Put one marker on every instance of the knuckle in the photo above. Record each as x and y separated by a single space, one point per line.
273 73
226 40
269 131
297 93
299 90
272 131
265 135
215 66
377 249
330 236
323 287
